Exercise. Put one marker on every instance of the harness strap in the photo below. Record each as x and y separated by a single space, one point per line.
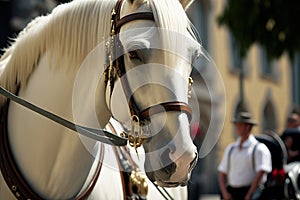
253 156
132 17
14 178
85 195
126 166
165 107
120 160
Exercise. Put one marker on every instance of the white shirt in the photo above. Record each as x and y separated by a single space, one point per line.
240 170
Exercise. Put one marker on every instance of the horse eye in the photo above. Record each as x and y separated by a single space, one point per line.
133 55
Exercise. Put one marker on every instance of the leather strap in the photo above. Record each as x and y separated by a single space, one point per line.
119 65
123 165
13 178
132 17
166 107
84 195
12 175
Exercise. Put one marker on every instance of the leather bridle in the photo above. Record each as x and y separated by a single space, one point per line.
117 66
13 178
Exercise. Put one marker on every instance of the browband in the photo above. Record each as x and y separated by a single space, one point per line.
132 17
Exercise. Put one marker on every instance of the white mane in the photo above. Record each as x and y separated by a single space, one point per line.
167 18
70 32
175 22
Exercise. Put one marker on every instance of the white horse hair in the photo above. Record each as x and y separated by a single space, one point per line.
42 66
73 42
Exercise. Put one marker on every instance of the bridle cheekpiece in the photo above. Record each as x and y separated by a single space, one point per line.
117 68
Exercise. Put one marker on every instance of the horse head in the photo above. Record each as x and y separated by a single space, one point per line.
157 49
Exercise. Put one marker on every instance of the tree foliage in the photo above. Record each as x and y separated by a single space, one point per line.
272 23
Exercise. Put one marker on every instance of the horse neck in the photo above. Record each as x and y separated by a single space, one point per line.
47 152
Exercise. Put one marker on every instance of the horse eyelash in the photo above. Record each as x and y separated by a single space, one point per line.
133 55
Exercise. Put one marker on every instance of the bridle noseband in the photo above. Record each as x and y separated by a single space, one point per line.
116 68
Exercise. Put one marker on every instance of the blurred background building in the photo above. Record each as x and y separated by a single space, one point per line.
268 88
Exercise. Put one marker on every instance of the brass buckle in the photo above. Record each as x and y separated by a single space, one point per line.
135 138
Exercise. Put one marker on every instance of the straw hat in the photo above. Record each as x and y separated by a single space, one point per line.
244 117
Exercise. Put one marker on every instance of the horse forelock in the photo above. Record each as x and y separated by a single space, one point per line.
165 16
174 22
67 35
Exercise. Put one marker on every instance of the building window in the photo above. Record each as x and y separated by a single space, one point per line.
269 68
237 64
235 59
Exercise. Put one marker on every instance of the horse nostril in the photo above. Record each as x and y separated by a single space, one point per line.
168 164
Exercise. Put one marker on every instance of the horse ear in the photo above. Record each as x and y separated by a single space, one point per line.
186 3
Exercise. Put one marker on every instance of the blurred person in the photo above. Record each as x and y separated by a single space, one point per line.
293 121
245 163
293 152
291 136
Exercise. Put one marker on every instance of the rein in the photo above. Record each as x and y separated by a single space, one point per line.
96 134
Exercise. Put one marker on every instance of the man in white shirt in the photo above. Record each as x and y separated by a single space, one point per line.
245 163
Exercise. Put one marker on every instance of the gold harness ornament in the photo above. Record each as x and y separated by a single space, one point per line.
190 87
139 183
135 136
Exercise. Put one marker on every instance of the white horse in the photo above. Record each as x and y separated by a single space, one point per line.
48 66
